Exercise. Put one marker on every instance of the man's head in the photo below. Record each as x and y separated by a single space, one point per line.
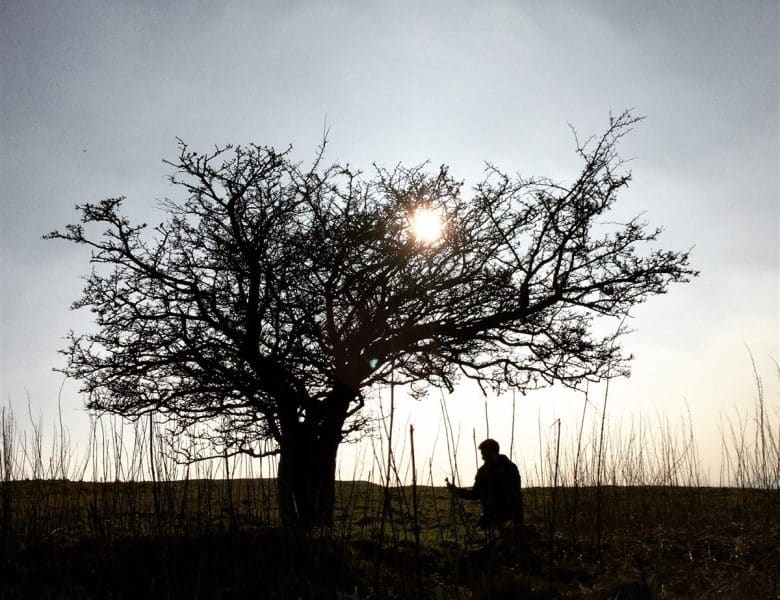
489 450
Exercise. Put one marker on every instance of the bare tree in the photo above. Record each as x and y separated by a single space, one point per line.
272 297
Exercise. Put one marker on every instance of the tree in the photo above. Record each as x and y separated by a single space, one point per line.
272 296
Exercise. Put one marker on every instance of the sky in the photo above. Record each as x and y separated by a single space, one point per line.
93 96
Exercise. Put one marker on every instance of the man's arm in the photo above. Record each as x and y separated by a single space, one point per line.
472 493
515 477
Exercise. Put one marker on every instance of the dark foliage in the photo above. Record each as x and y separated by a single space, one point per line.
88 540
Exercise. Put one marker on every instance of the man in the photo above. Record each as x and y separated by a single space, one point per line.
496 486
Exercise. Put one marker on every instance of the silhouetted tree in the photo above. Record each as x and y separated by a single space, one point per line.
272 296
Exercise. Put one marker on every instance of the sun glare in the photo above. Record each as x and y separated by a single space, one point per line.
426 225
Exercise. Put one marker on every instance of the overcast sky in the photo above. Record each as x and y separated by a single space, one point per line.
94 95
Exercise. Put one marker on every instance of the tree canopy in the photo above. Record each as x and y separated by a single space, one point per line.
273 295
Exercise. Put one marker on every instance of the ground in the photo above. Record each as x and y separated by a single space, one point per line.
211 539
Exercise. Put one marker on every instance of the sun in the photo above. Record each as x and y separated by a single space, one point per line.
426 225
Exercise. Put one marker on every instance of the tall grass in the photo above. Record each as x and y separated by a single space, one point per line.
644 452
128 479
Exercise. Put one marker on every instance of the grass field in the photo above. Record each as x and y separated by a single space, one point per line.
614 516
211 539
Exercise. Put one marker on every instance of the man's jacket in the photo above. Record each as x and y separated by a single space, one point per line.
497 487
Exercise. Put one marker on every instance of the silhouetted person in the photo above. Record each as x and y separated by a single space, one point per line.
496 486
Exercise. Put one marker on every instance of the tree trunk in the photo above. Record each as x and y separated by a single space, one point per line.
307 478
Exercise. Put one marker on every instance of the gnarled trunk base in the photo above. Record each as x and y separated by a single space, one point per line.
307 482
